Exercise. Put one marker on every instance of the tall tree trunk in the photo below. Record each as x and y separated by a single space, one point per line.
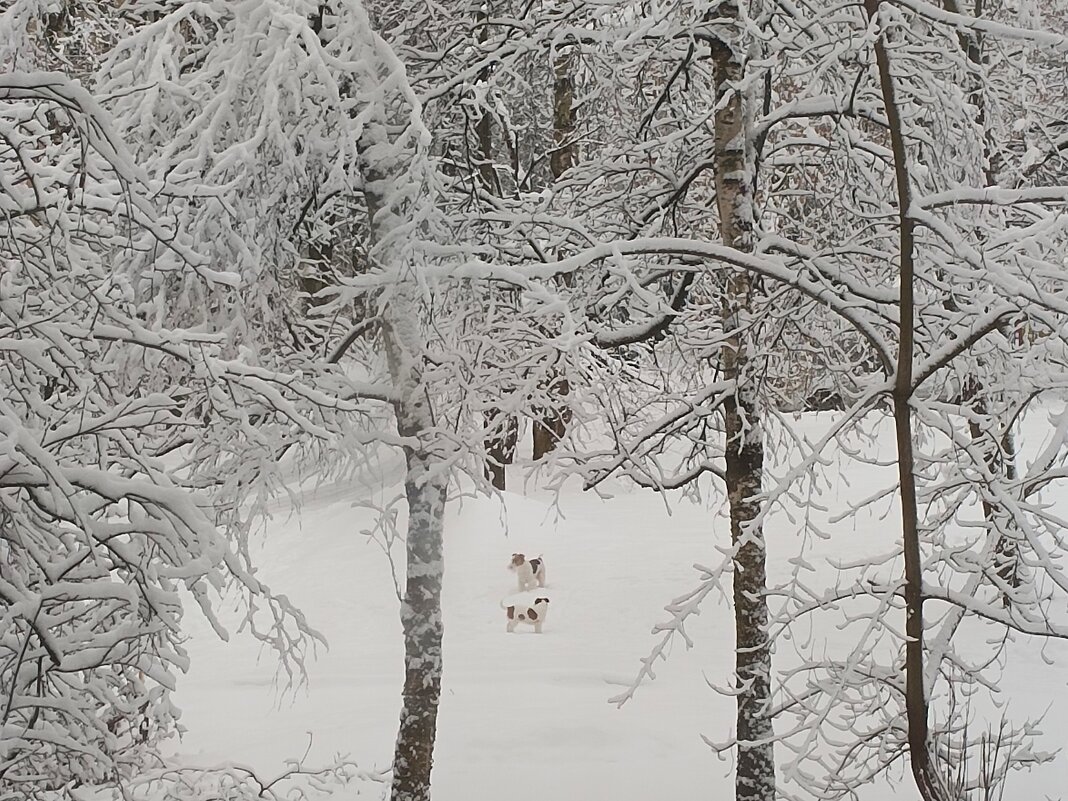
413 757
424 487
487 175
425 484
755 773
916 705
552 426
1000 457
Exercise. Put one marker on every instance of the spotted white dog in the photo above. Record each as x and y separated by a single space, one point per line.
529 572
534 614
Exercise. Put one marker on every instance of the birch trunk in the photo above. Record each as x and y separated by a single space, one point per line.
755 773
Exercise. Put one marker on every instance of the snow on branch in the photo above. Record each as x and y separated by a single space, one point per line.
108 528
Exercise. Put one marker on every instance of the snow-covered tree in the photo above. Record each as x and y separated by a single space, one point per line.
354 229
889 178
128 450
257 118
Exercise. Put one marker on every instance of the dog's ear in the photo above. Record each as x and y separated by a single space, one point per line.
539 600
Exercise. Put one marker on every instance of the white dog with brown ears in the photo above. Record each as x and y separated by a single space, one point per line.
529 572
533 614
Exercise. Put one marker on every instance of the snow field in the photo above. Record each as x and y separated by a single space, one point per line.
526 717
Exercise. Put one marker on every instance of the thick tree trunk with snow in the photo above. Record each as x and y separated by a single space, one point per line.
413 756
425 480
424 486
552 426
755 773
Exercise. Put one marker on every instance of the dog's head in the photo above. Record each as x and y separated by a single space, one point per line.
517 560
541 601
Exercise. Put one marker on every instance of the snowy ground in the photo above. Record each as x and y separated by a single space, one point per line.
526 717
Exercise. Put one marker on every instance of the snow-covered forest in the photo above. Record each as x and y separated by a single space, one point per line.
748 318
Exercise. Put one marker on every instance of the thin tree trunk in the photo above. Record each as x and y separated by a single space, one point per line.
755 773
503 428
1000 460
1001 457
487 175
1008 554
916 705
552 427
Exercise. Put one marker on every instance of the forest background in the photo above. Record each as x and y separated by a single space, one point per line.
250 243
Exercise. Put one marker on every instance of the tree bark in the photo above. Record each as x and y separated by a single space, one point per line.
421 620
424 486
552 425
565 147
500 446
413 757
916 706
744 447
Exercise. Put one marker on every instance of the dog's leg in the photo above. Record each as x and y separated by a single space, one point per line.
511 626
537 627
